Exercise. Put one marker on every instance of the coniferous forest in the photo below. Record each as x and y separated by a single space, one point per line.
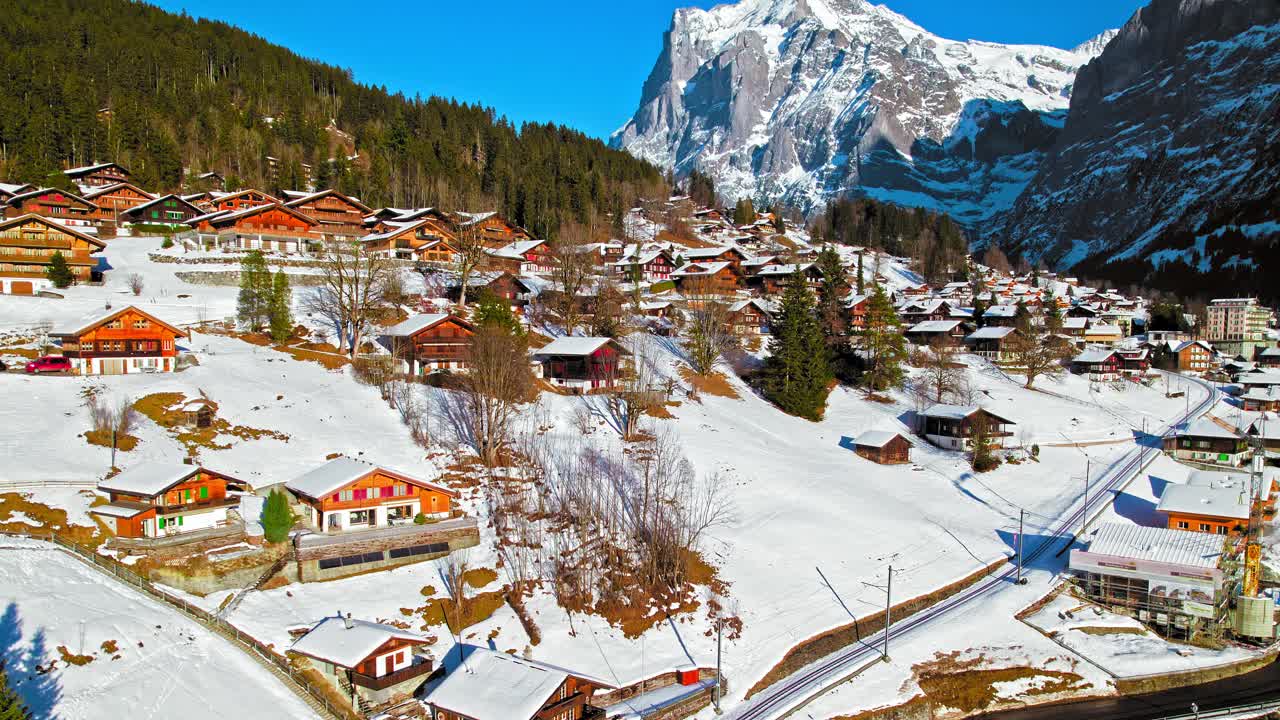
170 97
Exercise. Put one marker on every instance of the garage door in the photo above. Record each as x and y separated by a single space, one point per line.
22 287
112 366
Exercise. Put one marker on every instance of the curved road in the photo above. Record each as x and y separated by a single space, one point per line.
1256 687
795 690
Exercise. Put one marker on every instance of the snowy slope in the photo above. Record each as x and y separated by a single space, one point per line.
805 100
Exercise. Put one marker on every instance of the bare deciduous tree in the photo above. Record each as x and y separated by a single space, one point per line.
708 335
635 391
353 284
573 267
497 381
471 254
943 377
1035 354
136 283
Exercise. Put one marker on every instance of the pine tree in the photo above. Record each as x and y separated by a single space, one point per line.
58 272
281 307
883 343
1022 318
11 707
798 371
492 312
832 294
277 518
779 224
253 306
1052 313
861 281
744 213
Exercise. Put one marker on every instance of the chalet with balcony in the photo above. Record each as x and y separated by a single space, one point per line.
27 246
112 200
1194 356
164 210
239 200
953 426
728 253
1261 399
649 266
1210 441
1097 364
950 333
338 216
495 230
426 343
1212 502
269 228
749 317
523 257
120 342
348 495
99 175
1134 361
1004 315
992 343
711 278
163 499
373 663
582 363
883 447
772 279
60 206
516 291
425 240
490 685
8 190
856 306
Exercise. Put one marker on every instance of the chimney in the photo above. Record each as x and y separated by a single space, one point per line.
346 620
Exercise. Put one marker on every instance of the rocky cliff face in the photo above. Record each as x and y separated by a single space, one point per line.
1169 152
804 100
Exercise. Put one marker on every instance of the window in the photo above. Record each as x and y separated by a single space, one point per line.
1222 529
1184 525
360 494
1204 527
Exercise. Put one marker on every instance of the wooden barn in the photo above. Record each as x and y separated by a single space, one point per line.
492 685
883 447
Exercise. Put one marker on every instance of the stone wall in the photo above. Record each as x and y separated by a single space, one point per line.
307 565
231 278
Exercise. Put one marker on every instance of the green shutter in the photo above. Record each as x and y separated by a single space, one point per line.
204 492
161 523
179 519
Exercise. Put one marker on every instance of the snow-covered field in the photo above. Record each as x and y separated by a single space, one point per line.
156 663
815 527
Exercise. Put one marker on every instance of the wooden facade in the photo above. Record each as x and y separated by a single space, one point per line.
708 278
124 341
895 451
27 245
197 501
338 216
748 318
270 228
495 230
239 200
164 210
99 175
376 498
112 200
64 207
1194 356
432 342
582 364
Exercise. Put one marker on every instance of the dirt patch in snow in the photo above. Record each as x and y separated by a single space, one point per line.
165 410
479 577
102 438
41 519
716 383
965 685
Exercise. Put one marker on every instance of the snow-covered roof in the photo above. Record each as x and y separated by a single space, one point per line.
1175 547
1205 500
13 188
1075 323
707 253
333 641
784 269
120 509
574 346
148 479
876 438
934 326
1103 330
415 324
84 324
1205 427
701 268
86 169
490 685
342 471
1000 311
1188 343
990 333
1093 356
950 412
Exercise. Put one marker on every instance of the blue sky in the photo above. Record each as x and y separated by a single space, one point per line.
568 61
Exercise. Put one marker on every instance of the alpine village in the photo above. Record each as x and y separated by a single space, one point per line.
862 374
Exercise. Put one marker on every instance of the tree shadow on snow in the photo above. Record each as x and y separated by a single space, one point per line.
38 687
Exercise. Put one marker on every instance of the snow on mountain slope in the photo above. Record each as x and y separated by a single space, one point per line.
803 100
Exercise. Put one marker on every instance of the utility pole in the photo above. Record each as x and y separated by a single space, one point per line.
1021 580
1084 518
888 608
715 695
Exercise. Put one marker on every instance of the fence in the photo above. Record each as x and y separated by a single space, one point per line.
7 485
310 693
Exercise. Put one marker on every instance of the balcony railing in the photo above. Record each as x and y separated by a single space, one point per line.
421 666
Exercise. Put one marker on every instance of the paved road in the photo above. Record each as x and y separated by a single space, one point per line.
1258 686
793 691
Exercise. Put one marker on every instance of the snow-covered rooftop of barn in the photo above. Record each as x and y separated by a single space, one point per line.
490 685
333 641
1176 547
149 478
875 438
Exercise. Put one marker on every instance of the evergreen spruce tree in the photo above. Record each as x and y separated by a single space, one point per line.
798 371
861 281
277 518
1022 318
253 306
1052 313
832 294
779 224
883 343
11 707
744 213
492 311
281 307
58 272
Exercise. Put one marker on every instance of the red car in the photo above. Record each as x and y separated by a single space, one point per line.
49 363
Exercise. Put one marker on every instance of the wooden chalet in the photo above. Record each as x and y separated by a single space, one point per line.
61 206
523 257
992 343
270 228
426 343
953 426
347 495
164 210
948 332
239 200
707 278
515 290
1210 441
120 342
1194 356
27 246
162 499
495 230
749 317
338 216
492 685
856 307
772 279
1098 364
728 253
1268 357
99 175
1211 502
1005 315
378 664
883 447
212 181
648 266
114 199
582 363
425 240
1134 361
8 190
1261 399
